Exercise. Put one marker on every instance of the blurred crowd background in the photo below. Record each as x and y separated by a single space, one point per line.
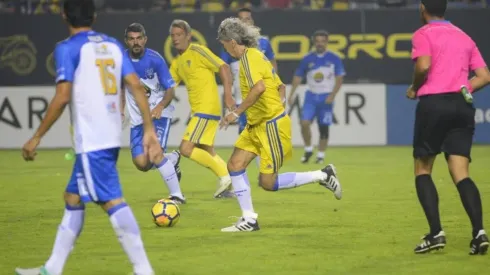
53 6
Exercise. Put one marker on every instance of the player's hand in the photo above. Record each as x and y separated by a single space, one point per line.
156 113
330 98
151 146
411 94
227 120
29 149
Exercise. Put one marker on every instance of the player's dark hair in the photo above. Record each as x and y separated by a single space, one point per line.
244 10
319 33
79 13
135 27
435 7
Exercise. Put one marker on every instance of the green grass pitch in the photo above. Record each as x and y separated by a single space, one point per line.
372 230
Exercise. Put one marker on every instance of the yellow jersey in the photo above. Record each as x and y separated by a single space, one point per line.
254 66
196 67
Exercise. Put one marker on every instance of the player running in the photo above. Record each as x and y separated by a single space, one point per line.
195 66
324 74
90 67
264 46
268 130
153 72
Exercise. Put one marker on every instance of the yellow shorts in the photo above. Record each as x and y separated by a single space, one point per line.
202 129
270 140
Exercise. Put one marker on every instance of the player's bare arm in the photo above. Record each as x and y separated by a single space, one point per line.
282 93
123 101
481 79
338 83
294 85
227 80
55 110
257 90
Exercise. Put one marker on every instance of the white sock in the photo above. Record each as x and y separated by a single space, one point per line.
167 171
173 157
68 231
320 155
257 161
291 180
241 186
128 234
309 149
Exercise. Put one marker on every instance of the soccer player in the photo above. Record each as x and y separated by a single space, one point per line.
268 130
264 46
324 74
445 118
155 76
90 67
196 66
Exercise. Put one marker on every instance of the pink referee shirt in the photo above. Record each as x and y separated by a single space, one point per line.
453 55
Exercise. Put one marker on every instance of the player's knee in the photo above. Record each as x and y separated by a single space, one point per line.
305 123
423 165
324 131
72 199
141 163
186 148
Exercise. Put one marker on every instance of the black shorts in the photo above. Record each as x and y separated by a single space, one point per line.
443 123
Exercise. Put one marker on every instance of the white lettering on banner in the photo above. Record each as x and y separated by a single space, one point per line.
482 116
359 118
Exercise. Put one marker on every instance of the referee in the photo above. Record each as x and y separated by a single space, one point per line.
445 118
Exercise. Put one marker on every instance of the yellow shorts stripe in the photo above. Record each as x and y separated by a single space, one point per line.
248 75
275 145
205 55
199 130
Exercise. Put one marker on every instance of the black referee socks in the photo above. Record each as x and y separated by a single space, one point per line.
470 196
429 199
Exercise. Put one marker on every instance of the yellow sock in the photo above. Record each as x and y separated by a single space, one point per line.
221 162
205 159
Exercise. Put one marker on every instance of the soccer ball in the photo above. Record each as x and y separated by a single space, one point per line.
166 213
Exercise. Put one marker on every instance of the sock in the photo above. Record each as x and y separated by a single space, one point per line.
205 159
429 199
167 171
173 157
470 196
68 232
320 155
241 185
257 161
308 149
292 180
128 234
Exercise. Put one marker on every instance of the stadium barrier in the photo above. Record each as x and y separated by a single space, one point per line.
372 47
364 115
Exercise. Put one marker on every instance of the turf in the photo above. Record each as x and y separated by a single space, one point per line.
372 230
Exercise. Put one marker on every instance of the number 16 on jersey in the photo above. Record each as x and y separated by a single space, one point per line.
107 78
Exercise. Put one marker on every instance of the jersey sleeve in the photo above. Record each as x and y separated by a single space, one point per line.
226 57
253 67
66 62
302 68
420 45
476 60
339 67
173 72
164 76
268 51
208 58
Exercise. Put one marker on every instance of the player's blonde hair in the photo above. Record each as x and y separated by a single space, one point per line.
234 29
181 24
